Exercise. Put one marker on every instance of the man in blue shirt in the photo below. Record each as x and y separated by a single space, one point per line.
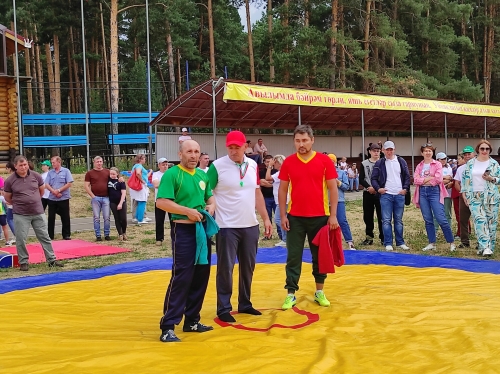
58 182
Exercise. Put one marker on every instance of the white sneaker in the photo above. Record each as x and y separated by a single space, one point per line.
389 248
453 247
351 247
429 247
143 222
405 247
147 219
10 242
487 252
134 220
281 243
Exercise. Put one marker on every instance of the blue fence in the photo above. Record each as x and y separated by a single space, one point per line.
62 119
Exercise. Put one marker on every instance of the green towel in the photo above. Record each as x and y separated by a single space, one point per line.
201 237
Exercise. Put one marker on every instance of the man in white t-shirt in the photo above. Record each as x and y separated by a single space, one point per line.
236 187
204 161
464 211
391 179
184 135
45 165
159 213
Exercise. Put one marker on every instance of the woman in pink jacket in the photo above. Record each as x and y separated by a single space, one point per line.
429 197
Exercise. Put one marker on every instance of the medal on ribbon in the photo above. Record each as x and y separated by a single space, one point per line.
243 170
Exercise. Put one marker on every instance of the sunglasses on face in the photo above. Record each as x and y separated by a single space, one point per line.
484 149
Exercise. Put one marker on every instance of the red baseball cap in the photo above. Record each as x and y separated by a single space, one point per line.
235 138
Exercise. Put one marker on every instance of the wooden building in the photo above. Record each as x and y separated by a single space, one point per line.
9 132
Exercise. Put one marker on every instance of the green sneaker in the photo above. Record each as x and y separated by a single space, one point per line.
320 298
289 303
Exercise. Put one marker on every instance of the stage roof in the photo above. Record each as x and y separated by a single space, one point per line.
265 106
10 40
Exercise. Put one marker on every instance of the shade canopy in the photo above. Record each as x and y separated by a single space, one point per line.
264 106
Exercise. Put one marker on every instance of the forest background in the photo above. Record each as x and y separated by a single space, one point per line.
424 48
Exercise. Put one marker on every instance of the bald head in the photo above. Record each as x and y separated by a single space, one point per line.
189 154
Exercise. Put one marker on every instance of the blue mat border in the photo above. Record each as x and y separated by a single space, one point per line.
264 255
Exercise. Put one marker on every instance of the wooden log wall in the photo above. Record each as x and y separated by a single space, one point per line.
9 134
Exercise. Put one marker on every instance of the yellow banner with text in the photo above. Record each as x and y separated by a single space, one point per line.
292 96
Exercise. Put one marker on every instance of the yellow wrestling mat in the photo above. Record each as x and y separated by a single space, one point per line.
383 319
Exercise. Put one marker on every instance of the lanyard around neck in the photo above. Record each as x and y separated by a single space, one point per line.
243 168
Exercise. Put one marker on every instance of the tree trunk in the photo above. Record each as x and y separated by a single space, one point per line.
366 60
171 65
270 30
57 78
286 68
50 76
29 88
105 57
179 81
113 58
71 108
333 43
39 68
342 49
464 33
250 44
489 45
394 19
74 67
211 39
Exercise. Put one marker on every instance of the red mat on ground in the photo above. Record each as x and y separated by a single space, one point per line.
67 249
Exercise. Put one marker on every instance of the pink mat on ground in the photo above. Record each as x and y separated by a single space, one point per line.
67 249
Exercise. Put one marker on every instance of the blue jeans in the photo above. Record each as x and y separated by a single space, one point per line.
10 219
342 220
392 206
353 183
277 219
101 204
271 208
430 208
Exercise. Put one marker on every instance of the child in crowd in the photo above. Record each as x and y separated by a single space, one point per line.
3 217
117 193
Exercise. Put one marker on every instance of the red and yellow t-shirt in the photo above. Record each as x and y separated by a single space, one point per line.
308 190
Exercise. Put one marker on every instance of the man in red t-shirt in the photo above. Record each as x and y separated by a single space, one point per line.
308 209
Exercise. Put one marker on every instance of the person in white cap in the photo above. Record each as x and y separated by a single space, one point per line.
184 135
391 179
448 184
159 213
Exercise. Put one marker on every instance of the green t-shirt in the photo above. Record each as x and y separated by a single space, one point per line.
189 188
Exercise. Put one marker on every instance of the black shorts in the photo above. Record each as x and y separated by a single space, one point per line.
3 220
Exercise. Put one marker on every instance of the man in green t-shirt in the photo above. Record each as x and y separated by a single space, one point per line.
184 190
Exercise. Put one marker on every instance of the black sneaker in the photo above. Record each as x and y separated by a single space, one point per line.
197 327
168 336
462 245
98 239
367 241
107 238
55 264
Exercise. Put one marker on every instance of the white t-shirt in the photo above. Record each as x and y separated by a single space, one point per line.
46 193
184 137
276 187
205 170
478 183
393 183
235 196
157 175
447 170
458 174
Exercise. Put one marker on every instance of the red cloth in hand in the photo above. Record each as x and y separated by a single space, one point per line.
330 253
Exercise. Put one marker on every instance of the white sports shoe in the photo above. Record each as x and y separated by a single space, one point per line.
453 247
134 220
10 242
281 243
389 248
405 247
147 219
351 246
487 252
429 247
